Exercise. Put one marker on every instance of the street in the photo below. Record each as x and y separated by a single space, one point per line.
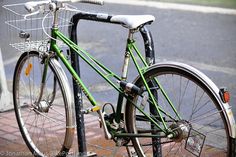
206 41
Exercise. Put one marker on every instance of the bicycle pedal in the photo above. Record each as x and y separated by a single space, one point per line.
89 110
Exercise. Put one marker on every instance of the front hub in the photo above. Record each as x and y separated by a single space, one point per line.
43 106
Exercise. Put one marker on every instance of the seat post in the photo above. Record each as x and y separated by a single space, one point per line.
131 34
127 57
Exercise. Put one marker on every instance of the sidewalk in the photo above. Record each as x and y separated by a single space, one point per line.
177 6
12 143
10 137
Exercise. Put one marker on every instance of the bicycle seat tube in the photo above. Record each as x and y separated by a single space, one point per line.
124 75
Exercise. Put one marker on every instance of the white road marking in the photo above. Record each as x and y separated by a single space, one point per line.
209 67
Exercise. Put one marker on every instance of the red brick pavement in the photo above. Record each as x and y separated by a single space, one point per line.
12 144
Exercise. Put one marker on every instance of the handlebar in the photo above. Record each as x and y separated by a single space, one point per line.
98 2
30 6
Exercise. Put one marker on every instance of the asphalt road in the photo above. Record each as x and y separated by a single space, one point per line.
205 41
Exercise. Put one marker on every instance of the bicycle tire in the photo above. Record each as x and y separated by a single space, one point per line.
204 119
47 127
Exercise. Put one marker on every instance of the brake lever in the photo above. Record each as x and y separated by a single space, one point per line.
71 8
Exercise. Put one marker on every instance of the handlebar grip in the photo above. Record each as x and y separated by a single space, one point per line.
30 6
98 2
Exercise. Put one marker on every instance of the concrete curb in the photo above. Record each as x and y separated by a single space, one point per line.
174 6
5 95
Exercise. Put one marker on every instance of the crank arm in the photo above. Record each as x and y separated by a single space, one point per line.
103 122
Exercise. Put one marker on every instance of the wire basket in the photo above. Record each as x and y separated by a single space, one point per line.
27 34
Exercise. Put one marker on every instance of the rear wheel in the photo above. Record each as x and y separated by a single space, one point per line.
202 123
46 123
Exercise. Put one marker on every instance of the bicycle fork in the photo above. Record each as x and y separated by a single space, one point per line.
45 62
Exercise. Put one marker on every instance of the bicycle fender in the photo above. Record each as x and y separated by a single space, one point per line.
70 126
225 107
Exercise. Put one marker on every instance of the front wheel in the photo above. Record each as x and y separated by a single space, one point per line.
201 125
44 113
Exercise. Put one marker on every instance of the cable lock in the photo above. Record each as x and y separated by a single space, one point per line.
130 88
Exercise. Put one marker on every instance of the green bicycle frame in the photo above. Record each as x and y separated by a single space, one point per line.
108 75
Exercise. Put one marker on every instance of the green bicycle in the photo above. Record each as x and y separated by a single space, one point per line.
169 104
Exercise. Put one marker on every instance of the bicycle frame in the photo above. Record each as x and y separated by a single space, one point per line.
108 75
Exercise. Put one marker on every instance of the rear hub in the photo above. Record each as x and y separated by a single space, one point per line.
180 130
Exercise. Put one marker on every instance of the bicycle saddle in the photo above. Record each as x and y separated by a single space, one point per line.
133 21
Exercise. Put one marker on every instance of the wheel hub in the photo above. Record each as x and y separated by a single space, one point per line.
43 106
180 131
